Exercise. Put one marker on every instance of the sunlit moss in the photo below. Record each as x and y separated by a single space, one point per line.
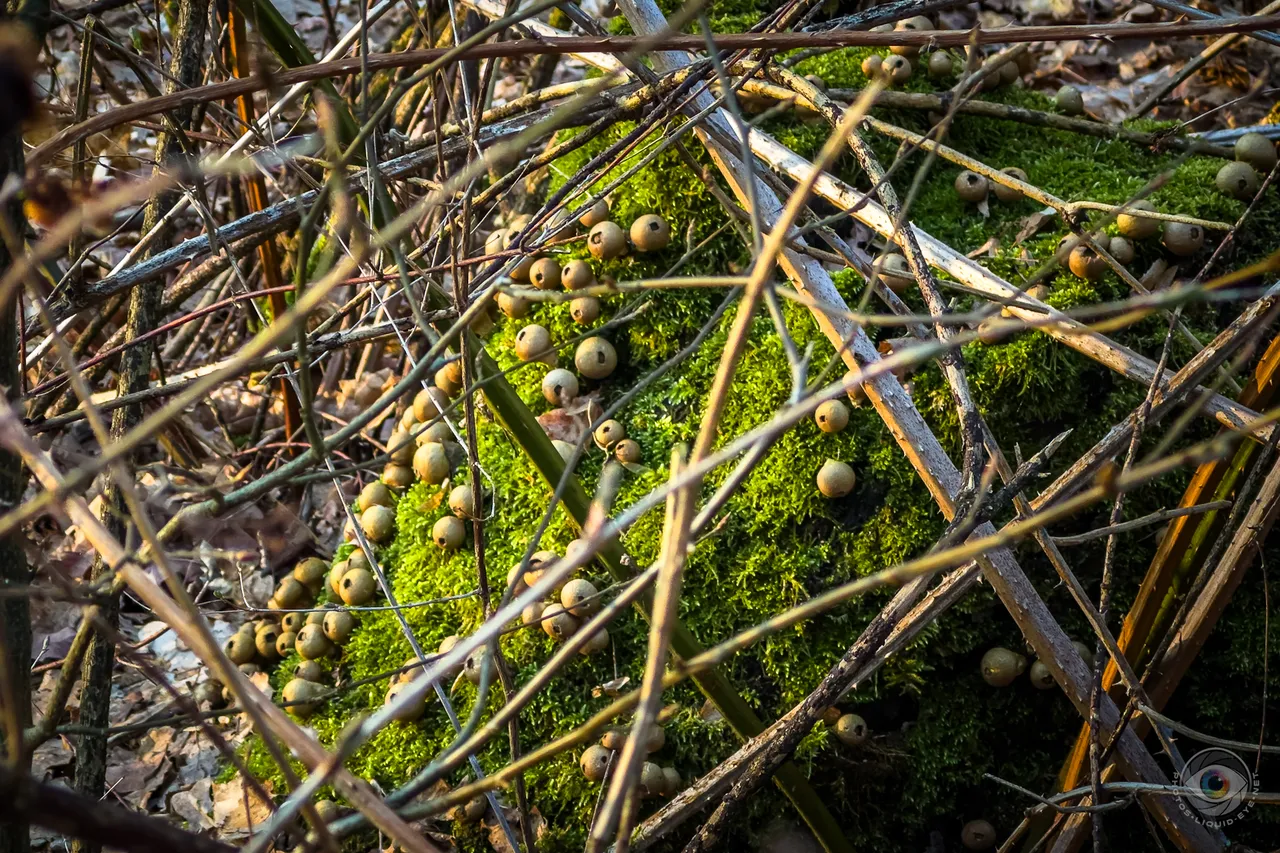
938 726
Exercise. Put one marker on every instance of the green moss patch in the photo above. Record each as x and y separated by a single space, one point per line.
937 726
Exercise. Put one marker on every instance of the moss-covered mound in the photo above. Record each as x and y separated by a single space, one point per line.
937 727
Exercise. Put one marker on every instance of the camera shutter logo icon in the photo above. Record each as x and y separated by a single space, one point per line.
1219 781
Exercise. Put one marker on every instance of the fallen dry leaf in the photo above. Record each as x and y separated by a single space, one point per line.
611 688
498 838
229 813
172 654
134 779
570 422
185 805
49 756
1034 224
197 760
988 248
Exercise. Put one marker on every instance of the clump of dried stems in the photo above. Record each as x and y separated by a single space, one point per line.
422 283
